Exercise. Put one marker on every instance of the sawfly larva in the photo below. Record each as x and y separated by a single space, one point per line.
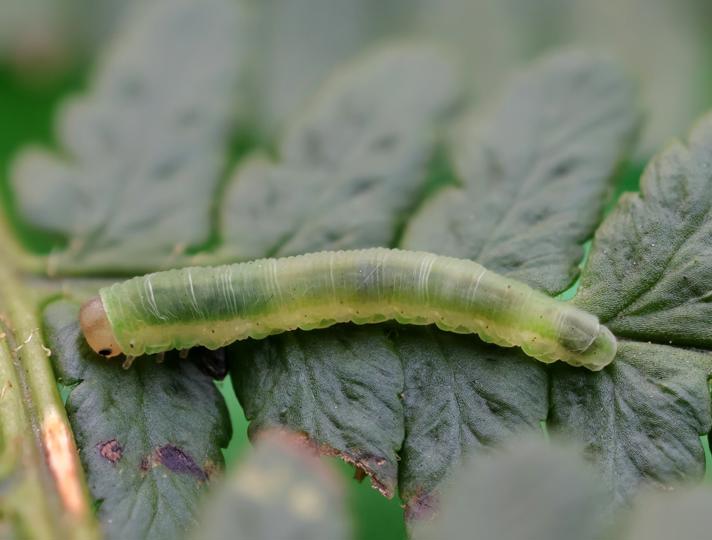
213 307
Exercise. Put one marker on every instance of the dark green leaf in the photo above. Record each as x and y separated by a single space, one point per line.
280 492
641 418
143 151
529 492
649 275
533 178
341 387
461 395
149 437
349 167
533 172
344 388
648 278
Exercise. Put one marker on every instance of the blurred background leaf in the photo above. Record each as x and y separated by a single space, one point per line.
279 490
296 43
143 151
531 490
534 490
350 167
664 42
682 514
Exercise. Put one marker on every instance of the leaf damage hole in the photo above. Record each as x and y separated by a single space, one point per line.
365 466
111 450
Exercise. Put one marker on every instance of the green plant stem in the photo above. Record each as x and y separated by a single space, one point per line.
39 425
18 457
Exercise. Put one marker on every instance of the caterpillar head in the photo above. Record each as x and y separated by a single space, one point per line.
97 329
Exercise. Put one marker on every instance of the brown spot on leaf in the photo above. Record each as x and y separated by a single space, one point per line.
177 461
110 450
422 506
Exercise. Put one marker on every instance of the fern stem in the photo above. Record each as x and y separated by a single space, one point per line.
35 429
18 457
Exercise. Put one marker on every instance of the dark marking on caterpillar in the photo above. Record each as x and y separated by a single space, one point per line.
212 307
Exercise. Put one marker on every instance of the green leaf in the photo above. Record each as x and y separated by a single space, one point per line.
149 437
533 172
532 491
143 150
533 183
350 166
641 418
649 274
280 491
139 183
341 387
461 396
683 514
648 277
344 387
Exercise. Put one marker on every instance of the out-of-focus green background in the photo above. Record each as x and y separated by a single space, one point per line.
48 47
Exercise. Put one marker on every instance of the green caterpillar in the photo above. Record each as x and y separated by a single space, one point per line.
213 307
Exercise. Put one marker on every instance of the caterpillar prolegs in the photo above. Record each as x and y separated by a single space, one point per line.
180 309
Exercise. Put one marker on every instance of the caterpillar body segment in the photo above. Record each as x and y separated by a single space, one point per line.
213 307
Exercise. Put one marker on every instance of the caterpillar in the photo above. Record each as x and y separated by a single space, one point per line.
214 306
